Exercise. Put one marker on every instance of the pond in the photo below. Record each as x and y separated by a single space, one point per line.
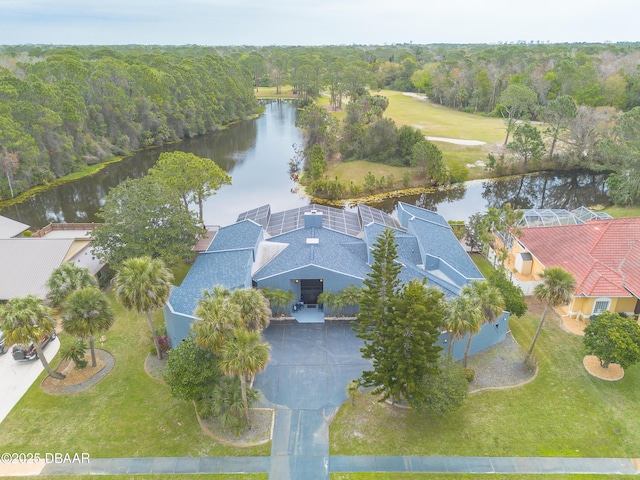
256 154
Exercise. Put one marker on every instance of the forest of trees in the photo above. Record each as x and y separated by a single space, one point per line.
62 108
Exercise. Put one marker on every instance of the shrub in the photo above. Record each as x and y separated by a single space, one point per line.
369 182
406 179
446 389
163 341
75 352
458 173
469 374
225 403
192 372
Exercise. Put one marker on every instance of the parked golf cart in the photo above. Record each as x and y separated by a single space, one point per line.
23 353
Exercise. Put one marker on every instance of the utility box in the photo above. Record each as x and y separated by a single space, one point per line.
524 263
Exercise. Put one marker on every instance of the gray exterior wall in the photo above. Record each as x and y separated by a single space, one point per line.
178 325
333 282
491 334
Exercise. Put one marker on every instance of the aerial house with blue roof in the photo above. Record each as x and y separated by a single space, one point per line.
313 249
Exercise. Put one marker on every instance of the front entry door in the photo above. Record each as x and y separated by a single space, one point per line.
310 290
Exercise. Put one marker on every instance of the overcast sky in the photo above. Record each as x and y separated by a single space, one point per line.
315 22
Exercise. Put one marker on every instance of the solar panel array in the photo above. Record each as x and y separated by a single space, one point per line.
259 215
369 215
343 221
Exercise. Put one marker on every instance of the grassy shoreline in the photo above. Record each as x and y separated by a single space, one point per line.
90 170
84 172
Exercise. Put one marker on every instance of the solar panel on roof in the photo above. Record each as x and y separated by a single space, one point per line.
332 218
259 215
368 214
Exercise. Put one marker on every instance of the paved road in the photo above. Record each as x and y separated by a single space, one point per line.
17 377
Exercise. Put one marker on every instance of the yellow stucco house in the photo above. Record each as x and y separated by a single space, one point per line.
602 254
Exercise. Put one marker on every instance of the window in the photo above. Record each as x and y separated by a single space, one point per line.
601 306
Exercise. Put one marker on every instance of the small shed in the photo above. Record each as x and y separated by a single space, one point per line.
524 263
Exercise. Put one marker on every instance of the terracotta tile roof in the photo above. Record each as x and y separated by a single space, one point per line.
603 255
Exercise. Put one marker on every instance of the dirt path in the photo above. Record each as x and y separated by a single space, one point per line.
458 141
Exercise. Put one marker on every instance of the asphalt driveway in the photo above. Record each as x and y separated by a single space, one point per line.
305 381
311 365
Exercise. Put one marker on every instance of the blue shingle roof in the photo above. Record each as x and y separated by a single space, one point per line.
333 251
408 248
230 269
440 242
428 250
244 234
406 211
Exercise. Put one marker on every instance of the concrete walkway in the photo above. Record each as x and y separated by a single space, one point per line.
323 465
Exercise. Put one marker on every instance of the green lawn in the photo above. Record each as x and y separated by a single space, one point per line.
127 414
563 412
623 211
483 264
432 120
437 121
458 476
355 170
173 476
270 92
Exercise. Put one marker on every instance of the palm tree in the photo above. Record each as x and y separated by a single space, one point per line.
66 279
218 318
87 312
143 284
328 300
279 299
254 308
351 296
244 356
455 313
486 304
556 288
488 298
472 323
28 320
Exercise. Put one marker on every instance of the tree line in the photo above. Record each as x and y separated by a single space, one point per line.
469 77
62 109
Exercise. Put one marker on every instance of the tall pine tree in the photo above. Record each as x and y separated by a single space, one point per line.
399 327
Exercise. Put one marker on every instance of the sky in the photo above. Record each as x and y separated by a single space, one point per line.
314 22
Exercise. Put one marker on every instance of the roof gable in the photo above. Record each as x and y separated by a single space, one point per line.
331 250
244 234
229 269
406 211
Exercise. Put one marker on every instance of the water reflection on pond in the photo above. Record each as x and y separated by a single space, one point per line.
546 190
256 154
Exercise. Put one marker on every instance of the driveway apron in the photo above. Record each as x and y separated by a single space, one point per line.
306 380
